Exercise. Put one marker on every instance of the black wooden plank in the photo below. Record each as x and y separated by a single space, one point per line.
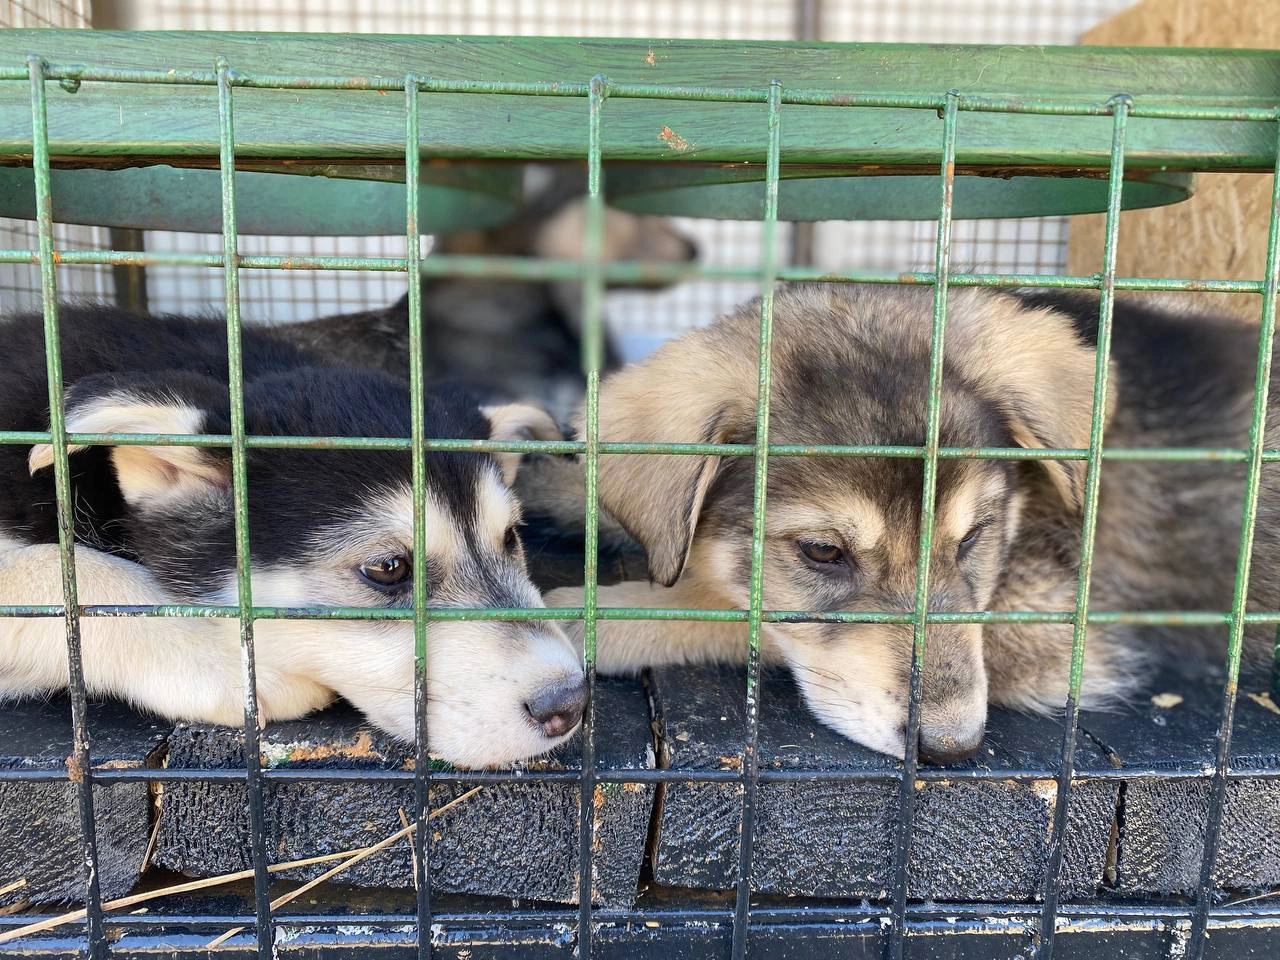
940 939
1171 726
973 840
40 821
514 840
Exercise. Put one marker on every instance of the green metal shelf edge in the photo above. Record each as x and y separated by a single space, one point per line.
166 198
695 192
541 127
1046 164
1182 75
481 195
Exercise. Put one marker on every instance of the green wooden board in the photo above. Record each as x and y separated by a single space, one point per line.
165 198
720 192
359 132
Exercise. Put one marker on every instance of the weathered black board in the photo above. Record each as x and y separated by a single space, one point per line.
972 840
40 836
515 840
1161 837
336 924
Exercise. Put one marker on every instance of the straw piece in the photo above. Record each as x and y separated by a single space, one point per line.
1257 896
151 845
123 902
413 851
406 831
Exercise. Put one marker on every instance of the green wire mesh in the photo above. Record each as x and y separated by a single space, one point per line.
593 273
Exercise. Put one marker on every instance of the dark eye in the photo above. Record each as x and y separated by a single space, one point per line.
818 552
388 572
966 544
511 540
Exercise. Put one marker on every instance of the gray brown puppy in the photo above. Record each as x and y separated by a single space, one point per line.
850 366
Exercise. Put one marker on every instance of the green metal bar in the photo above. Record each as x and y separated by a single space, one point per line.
942 266
240 498
1240 594
417 414
1093 474
79 763
750 750
622 271
78 73
1140 454
298 442
1172 618
592 355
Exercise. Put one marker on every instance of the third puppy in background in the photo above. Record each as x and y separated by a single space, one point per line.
507 340
850 366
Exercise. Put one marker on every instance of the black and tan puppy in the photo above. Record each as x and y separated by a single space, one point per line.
156 525
850 366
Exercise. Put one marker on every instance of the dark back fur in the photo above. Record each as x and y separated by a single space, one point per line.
1168 531
100 339
286 393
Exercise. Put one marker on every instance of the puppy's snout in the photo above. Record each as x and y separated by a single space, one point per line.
944 744
558 708
690 249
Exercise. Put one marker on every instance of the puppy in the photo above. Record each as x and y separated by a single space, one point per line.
155 525
507 339
516 341
850 366
1170 530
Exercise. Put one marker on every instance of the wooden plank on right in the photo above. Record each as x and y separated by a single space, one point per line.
973 840
1221 232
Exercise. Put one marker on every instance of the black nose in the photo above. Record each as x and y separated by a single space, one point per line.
558 708
690 249
942 749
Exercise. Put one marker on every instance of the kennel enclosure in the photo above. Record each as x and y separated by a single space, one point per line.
106 128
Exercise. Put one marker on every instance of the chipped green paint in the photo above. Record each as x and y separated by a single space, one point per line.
1038 115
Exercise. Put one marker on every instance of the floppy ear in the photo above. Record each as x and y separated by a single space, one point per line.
1040 373
518 421
560 233
165 403
697 389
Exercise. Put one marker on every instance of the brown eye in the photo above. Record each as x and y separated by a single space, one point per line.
511 540
388 572
818 552
967 542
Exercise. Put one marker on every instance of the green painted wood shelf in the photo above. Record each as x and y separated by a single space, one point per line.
683 130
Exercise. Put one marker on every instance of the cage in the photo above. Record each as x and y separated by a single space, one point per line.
777 130
637 320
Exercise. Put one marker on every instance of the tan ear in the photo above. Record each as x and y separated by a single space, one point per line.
1040 372
562 234
697 389
148 476
518 421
